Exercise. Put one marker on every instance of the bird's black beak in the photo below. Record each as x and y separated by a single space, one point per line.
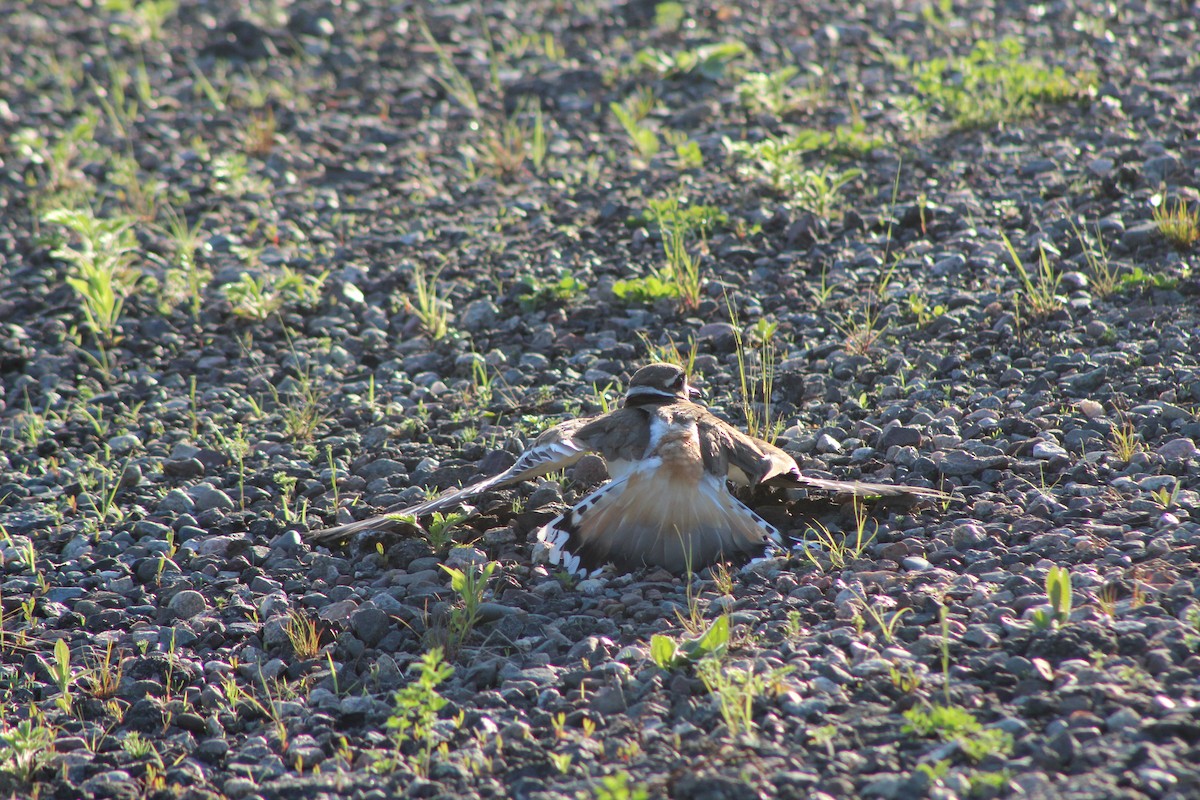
694 394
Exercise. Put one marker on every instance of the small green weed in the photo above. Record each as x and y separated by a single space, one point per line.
561 762
514 141
683 266
441 528
101 265
139 192
257 297
669 16
906 680
57 164
1041 295
885 624
259 135
141 21
1058 594
779 163
994 83
702 220
232 176
632 114
237 446
469 585
688 154
768 92
618 787
671 353
1105 275
756 359
839 550
1179 224
137 746
1126 441
25 748
678 225
1136 277
707 61
863 329
1166 497
736 689
939 15
649 289
186 280
919 307
303 634
301 405
452 80
430 306
668 653
415 713
287 489
104 680
534 294
62 673
1191 636
823 736
956 724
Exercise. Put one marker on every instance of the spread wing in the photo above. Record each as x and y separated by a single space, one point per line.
751 462
743 459
669 508
554 449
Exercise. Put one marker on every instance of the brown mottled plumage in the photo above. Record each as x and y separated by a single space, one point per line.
667 503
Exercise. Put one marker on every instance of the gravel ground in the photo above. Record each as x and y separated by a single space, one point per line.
270 190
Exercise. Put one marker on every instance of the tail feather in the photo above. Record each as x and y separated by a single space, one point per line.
646 518
331 537
859 488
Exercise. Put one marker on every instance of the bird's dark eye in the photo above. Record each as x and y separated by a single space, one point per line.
678 382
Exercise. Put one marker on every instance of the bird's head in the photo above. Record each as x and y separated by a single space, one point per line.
660 383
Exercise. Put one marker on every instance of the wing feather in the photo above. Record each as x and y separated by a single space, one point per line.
555 449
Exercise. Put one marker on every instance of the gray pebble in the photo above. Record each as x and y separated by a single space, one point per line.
464 558
188 603
591 586
969 535
1048 451
1139 236
1154 483
124 444
1182 449
477 315
534 361
828 444
899 436
370 624
149 529
59 594
176 501
208 498
544 495
383 468
1158 169
183 467
959 463
288 542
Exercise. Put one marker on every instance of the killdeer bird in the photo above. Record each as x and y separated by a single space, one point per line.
667 503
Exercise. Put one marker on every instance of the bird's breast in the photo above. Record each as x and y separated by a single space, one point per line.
677 446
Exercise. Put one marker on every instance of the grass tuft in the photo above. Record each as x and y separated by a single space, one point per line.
1179 224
